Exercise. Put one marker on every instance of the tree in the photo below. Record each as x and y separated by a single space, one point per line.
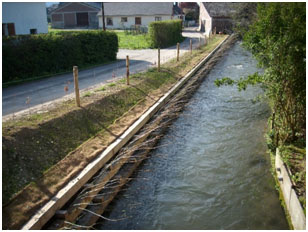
188 5
245 14
278 41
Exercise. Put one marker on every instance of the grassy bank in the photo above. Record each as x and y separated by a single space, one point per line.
43 151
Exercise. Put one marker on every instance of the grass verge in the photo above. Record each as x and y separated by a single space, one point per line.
42 152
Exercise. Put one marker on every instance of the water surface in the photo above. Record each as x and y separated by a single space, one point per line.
211 170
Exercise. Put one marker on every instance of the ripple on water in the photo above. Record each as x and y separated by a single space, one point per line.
213 172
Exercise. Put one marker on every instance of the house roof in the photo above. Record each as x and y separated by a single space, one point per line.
219 9
93 4
137 8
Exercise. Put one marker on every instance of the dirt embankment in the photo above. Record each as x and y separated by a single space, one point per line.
51 148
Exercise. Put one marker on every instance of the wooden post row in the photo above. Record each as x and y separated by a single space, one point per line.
127 70
178 52
158 62
75 73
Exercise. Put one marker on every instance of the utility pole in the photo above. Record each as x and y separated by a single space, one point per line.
103 17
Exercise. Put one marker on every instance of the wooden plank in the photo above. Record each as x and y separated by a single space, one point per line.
72 212
49 209
61 214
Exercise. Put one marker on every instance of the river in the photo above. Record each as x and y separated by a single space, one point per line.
211 169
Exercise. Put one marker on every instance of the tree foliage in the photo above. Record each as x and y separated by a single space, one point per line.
245 14
189 5
278 41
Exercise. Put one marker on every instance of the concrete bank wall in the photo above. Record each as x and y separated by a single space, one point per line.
292 203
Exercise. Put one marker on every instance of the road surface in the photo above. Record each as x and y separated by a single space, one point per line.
27 95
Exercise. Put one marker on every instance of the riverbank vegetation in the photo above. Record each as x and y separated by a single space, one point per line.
277 38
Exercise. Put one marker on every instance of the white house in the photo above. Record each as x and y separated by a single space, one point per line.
119 15
20 18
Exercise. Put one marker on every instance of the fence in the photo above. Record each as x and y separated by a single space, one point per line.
44 96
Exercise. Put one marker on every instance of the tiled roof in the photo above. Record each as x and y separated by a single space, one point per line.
137 8
92 4
219 9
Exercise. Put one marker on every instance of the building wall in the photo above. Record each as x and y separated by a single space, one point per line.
205 21
25 16
66 17
145 20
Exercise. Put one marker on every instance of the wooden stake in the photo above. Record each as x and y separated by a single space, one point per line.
75 72
190 46
127 70
178 52
215 31
205 40
158 62
199 42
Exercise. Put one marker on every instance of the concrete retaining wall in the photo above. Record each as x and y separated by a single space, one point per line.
292 203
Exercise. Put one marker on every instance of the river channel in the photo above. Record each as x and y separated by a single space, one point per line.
211 169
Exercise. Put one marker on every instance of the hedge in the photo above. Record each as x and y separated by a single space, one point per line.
165 33
29 56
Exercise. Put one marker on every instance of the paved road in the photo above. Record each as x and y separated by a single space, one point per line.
38 92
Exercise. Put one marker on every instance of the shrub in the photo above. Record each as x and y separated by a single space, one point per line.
28 56
165 33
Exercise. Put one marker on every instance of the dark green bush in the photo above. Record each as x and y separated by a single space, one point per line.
29 56
165 33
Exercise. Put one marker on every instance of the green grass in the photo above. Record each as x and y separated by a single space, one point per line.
126 41
129 41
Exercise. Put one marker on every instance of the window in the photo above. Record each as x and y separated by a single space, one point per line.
138 20
157 18
8 29
109 21
123 19
33 31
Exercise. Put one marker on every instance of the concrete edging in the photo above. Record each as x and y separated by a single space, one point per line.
48 210
291 200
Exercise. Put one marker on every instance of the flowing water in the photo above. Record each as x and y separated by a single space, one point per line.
211 170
